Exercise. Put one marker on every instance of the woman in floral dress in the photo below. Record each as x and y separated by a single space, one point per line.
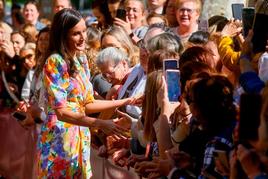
64 143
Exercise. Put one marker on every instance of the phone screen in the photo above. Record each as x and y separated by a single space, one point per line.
170 64
19 116
247 19
237 10
173 84
121 14
203 25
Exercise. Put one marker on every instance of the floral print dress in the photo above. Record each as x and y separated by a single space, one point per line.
64 148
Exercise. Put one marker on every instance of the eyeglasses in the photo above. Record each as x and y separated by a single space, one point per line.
188 10
107 75
29 56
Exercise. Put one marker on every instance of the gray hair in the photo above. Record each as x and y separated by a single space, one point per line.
29 46
111 54
165 41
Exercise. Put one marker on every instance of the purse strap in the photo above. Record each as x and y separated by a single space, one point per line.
11 94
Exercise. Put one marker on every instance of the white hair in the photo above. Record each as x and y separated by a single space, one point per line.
111 54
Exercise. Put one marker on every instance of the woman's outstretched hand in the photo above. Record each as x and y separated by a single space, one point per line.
110 127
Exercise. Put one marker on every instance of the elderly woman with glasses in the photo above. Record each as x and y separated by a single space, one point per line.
187 14
114 65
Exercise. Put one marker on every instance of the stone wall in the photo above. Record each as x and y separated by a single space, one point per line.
221 7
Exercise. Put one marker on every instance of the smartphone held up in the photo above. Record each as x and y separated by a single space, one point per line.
121 14
170 64
260 27
172 76
173 85
248 14
237 10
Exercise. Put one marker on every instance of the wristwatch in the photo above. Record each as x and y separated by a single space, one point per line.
131 35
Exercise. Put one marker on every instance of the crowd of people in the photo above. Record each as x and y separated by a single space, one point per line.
70 85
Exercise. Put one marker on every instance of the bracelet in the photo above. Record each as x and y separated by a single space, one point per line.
246 57
186 117
187 114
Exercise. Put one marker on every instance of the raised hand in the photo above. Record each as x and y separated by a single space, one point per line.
124 24
247 45
232 29
167 107
249 160
23 106
7 47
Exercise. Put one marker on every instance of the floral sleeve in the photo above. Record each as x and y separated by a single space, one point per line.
56 81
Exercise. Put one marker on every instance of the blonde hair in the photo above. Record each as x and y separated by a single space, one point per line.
29 46
150 107
93 47
30 32
6 27
121 36
198 4
155 15
141 2
45 21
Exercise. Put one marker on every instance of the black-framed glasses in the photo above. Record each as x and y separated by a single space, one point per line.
29 56
107 75
188 10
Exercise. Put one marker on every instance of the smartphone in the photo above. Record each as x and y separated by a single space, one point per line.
169 64
237 10
121 14
173 84
203 25
250 110
19 116
260 29
221 155
248 14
